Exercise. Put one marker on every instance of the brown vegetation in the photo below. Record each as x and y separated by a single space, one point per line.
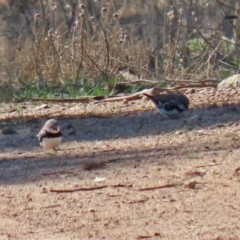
67 44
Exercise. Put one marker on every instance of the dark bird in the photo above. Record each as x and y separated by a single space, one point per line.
170 104
50 135
231 17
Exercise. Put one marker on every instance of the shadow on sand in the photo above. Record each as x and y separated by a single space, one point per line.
17 167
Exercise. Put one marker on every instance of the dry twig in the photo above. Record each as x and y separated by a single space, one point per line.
209 165
77 189
59 172
89 189
160 187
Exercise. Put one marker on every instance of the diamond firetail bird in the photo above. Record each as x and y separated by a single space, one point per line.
170 104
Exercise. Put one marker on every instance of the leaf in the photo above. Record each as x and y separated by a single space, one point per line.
99 179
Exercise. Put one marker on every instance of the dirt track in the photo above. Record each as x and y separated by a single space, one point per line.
158 178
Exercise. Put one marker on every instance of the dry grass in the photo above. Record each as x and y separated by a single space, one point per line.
68 46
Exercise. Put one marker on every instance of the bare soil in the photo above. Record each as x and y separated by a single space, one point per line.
123 171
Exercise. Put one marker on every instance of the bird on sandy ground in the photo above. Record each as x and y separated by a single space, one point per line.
50 135
171 104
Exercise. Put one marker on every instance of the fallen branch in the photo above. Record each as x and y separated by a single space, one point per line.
138 81
138 95
135 96
191 81
83 99
155 91
200 85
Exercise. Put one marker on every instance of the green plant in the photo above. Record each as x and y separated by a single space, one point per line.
215 173
197 46
192 155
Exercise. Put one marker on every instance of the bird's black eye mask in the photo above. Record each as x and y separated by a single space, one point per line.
55 126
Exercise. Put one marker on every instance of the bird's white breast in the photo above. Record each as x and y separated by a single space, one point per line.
50 143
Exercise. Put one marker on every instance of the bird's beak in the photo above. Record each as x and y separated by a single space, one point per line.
55 127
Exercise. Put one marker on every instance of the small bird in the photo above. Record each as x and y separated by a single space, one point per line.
170 104
50 135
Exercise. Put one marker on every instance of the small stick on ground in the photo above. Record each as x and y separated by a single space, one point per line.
159 187
88 189
121 185
51 206
70 100
77 189
59 172
209 165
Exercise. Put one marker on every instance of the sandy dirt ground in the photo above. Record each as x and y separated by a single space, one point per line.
123 171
